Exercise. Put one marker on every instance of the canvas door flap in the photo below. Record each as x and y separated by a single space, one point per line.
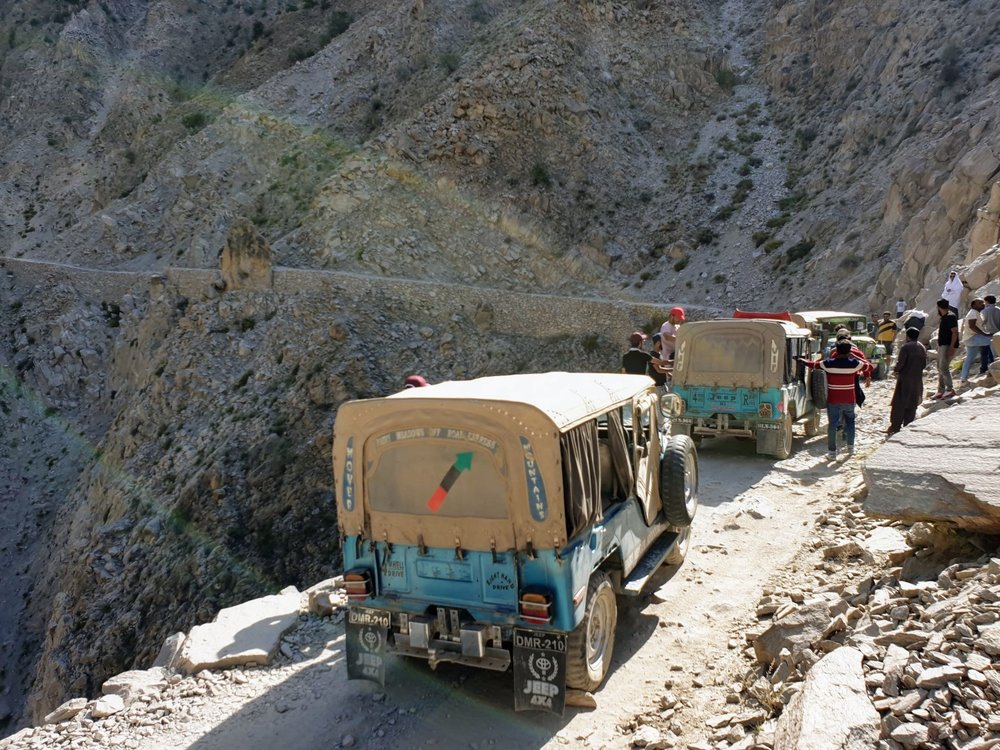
647 458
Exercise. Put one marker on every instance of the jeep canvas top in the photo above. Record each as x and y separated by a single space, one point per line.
739 378
490 522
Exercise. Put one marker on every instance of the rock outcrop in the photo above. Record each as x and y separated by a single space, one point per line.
245 259
944 467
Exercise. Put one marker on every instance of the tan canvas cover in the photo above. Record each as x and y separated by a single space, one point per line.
733 353
471 464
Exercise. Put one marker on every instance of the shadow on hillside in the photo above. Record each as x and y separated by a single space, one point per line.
452 707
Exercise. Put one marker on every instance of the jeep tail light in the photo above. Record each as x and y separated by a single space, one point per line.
358 583
536 607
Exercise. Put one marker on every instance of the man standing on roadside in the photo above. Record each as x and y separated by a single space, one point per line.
952 291
947 346
668 332
909 369
842 371
900 307
975 339
636 359
990 326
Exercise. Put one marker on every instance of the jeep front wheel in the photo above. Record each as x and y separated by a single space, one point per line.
592 643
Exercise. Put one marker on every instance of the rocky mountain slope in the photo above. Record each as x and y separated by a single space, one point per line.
165 436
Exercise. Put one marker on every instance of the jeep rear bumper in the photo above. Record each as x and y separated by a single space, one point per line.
439 651
722 425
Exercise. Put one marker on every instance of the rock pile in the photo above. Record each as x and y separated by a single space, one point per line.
209 660
907 656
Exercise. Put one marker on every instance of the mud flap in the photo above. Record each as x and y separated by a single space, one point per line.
366 634
540 671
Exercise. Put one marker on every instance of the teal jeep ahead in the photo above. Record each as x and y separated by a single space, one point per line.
492 522
740 378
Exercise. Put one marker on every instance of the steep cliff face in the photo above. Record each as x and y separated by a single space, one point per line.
173 430
893 107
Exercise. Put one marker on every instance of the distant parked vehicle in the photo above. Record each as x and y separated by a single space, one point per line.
492 522
825 323
739 377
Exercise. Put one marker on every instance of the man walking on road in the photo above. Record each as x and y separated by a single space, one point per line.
909 392
842 371
947 346
886 333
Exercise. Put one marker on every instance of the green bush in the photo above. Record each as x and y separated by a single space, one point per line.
805 137
681 264
450 61
194 121
772 245
540 175
776 222
759 238
590 342
951 68
298 54
704 236
719 278
726 79
799 250
743 188
339 22
793 202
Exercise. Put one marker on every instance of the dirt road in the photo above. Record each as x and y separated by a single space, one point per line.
686 635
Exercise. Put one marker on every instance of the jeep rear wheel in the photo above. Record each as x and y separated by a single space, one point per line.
679 480
812 424
784 447
592 643
817 388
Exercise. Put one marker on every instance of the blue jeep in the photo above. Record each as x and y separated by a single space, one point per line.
491 523
739 377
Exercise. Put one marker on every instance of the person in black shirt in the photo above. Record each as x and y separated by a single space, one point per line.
636 359
947 346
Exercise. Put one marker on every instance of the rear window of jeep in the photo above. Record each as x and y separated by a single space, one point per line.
727 353
437 471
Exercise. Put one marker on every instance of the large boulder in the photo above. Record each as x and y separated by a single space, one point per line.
942 468
248 633
833 710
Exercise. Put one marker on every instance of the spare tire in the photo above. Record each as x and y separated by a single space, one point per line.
679 480
817 387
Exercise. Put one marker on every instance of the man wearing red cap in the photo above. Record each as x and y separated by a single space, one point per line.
668 332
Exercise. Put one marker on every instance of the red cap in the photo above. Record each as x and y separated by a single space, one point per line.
677 312
415 381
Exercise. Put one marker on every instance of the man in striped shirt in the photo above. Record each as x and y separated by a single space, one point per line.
841 371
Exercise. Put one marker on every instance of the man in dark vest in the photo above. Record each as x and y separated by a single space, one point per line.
909 369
